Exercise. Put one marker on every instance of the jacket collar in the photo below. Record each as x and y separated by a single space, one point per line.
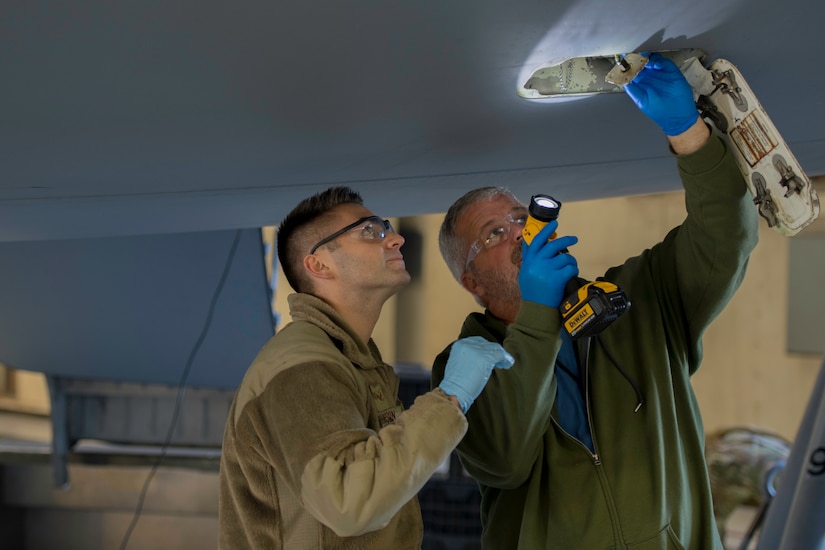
311 309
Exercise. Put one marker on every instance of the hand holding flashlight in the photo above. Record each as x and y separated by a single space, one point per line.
547 277
545 269
543 209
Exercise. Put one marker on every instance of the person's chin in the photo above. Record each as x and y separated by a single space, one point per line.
404 278
398 264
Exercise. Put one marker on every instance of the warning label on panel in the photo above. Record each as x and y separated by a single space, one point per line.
753 139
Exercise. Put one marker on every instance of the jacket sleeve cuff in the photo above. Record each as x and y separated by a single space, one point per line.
537 318
705 158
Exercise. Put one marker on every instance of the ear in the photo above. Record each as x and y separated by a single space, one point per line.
317 267
468 281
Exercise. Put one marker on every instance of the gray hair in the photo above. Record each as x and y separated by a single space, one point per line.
453 249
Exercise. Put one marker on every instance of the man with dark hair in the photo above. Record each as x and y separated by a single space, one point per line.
598 443
318 451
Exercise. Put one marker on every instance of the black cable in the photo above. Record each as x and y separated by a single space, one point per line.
182 390
639 396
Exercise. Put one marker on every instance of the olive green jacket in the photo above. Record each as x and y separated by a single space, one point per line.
646 485
318 452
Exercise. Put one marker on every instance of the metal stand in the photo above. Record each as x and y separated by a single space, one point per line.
794 520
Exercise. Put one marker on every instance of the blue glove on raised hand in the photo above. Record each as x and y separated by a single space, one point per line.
661 91
545 269
469 366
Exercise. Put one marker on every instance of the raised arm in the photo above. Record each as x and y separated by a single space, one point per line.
703 261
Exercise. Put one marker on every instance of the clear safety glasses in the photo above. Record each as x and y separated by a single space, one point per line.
367 228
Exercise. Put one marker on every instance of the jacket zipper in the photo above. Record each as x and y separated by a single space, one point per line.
585 374
611 505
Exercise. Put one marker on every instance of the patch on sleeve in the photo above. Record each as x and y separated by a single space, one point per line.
387 410
387 417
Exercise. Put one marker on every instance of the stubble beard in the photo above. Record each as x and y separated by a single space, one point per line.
501 281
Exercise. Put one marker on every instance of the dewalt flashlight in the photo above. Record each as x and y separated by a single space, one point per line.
543 209
589 308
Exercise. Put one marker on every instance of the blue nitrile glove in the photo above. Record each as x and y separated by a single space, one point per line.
469 366
545 269
661 91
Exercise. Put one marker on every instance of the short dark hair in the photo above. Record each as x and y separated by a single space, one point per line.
293 242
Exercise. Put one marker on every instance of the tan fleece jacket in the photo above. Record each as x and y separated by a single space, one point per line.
318 451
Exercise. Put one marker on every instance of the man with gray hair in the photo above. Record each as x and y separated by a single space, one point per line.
598 443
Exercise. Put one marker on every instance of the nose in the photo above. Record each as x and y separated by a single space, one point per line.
515 232
393 240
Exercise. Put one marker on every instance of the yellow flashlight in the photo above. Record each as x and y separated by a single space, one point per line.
542 210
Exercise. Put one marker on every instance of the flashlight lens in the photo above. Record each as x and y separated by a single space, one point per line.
544 208
546 202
